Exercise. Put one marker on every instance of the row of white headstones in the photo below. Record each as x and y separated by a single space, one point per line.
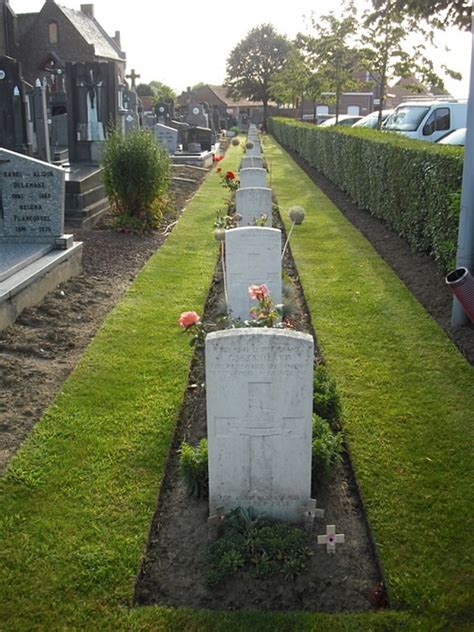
259 381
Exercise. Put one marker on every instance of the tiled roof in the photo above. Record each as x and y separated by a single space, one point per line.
221 92
93 33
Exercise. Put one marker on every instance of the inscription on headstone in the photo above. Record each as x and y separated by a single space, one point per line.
167 136
253 177
259 393
32 199
253 257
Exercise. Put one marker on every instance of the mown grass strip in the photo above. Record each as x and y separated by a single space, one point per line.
408 396
78 499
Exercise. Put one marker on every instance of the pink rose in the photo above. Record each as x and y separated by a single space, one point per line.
258 292
187 319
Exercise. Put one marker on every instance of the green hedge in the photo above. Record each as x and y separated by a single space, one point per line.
412 185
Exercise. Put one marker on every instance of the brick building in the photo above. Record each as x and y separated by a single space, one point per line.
47 40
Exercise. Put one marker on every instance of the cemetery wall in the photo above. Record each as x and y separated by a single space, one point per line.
417 202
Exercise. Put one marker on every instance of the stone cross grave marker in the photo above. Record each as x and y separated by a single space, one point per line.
253 177
251 162
331 538
251 202
259 414
253 257
167 136
31 199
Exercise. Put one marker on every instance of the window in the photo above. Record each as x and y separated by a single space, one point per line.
440 120
353 110
53 33
322 110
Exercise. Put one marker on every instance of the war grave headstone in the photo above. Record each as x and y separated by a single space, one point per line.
250 162
256 150
251 202
253 177
253 257
35 254
259 416
167 136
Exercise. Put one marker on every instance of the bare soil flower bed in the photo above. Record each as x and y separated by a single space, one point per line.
175 568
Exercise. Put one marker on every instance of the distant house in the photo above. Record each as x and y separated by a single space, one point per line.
409 89
47 40
226 110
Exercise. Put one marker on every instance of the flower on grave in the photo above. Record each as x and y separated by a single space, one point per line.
230 175
191 324
297 214
219 169
258 292
217 158
188 319
230 181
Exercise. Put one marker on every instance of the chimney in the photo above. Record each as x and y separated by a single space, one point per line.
116 39
88 9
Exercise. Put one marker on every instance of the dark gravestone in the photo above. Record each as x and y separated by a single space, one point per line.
201 136
183 131
12 108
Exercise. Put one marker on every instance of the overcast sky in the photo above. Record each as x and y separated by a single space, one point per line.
182 42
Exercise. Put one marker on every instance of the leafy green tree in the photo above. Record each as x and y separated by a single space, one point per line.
290 84
254 62
384 49
162 92
331 54
144 90
440 13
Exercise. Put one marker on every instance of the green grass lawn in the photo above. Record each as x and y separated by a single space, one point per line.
78 499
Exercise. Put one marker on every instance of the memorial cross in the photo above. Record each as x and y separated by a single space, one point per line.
331 538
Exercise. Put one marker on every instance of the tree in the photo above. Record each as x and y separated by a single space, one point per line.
144 90
162 92
290 84
383 48
440 13
254 62
331 54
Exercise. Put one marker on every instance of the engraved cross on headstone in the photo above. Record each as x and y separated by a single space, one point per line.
256 260
257 430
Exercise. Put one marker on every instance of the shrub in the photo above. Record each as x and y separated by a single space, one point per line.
326 398
407 183
193 467
136 177
326 446
264 548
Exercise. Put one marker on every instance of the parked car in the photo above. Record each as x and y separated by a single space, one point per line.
427 120
372 119
344 119
457 137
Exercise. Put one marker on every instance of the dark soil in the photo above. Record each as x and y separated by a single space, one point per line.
418 271
38 352
175 568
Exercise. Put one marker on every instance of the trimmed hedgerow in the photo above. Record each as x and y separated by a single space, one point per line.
410 184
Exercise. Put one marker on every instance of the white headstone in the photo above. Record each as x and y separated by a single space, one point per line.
250 162
251 202
253 178
253 257
256 150
259 420
167 136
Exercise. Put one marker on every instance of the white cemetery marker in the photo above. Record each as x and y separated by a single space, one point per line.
251 202
331 538
251 162
252 258
253 177
259 417
256 150
310 512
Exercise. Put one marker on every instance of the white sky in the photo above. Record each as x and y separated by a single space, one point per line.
182 42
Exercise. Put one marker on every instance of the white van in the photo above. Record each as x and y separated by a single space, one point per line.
427 120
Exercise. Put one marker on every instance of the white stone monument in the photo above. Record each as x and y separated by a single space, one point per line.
167 136
253 257
251 202
252 177
251 162
259 420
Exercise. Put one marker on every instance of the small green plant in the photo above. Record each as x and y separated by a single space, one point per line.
193 468
326 398
260 220
262 547
136 178
326 446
